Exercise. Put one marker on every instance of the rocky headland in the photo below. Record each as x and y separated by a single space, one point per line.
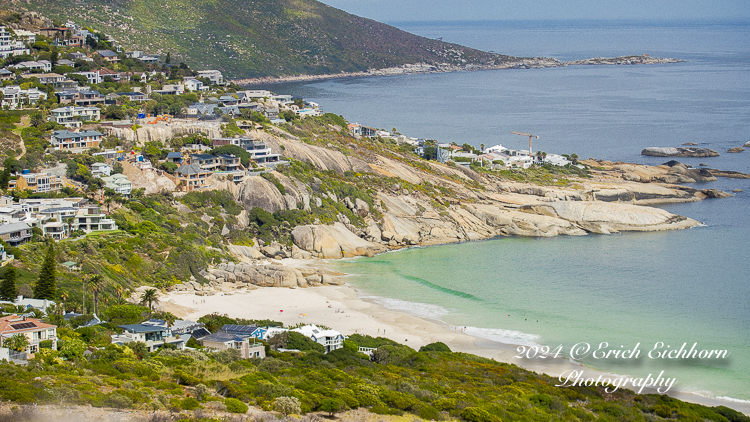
417 68
613 197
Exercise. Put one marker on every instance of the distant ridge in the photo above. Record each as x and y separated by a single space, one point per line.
259 38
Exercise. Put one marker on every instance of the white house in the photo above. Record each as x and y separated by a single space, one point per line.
100 169
212 75
72 116
118 183
330 339
10 47
195 85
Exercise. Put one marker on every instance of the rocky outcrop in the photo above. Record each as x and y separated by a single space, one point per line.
255 191
335 241
679 152
163 132
735 150
602 217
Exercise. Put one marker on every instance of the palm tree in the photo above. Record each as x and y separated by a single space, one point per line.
97 284
150 296
64 297
482 147
169 318
118 293
69 221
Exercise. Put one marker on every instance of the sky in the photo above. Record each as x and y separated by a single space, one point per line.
416 10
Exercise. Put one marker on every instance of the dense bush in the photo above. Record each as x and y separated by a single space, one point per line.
235 406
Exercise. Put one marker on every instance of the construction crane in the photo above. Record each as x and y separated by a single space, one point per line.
530 137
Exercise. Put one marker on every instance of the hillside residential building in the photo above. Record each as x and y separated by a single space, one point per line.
192 177
212 75
206 161
364 131
330 339
41 66
46 78
9 47
228 162
224 341
171 89
36 182
153 333
15 234
81 98
245 330
119 183
108 55
27 37
72 116
90 219
11 96
34 329
195 85
65 139
100 169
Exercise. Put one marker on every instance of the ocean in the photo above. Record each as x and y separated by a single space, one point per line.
652 291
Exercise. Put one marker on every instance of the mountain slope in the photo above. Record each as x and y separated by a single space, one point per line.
257 38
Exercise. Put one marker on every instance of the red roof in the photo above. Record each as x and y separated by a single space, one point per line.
13 324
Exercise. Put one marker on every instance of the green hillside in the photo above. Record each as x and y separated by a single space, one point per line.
257 38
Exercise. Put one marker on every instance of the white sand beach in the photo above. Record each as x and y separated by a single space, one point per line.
341 308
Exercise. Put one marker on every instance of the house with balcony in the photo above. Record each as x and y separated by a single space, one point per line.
15 234
10 47
66 140
73 116
154 333
47 78
171 89
206 161
195 85
228 162
192 177
33 329
261 154
212 75
36 182
224 341
363 131
101 169
11 96
330 339
119 183
90 219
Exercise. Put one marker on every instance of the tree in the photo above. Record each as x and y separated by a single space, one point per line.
482 147
97 284
17 342
46 284
332 405
37 119
150 297
8 286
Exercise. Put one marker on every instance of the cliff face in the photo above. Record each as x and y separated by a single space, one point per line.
162 132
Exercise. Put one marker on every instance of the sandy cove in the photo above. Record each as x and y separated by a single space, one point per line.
342 309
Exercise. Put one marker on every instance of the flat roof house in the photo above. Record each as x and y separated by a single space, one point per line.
154 335
72 116
37 182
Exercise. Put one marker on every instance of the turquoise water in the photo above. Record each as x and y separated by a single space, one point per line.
689 286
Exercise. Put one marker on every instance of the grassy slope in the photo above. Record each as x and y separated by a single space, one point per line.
258 37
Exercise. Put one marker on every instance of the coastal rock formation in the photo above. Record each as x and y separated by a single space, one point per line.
255 191
602 217
335 241
679 152
735 150
162 132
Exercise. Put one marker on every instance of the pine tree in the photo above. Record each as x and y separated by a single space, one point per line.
46 285
8 287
